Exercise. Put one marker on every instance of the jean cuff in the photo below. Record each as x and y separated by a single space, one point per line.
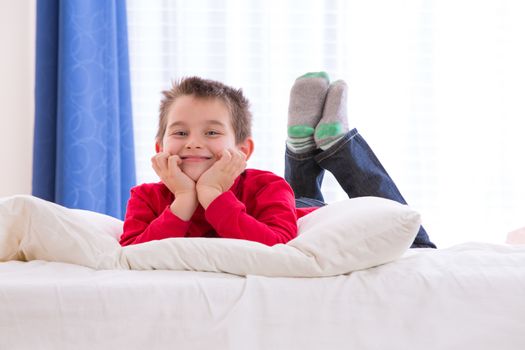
302 156
337 146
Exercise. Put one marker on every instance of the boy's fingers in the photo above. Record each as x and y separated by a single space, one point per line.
160 157
232 160
154 163
227 155
224 157
239 159
173 162
235 162
157 161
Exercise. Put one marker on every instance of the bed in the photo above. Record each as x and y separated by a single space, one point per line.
352 284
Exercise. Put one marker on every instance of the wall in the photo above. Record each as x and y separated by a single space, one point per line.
17 40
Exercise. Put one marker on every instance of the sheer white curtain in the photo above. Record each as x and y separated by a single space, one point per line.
436 87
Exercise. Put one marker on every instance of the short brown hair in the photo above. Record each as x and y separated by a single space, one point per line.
239 106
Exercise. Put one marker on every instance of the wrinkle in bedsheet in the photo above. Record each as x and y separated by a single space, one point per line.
439 299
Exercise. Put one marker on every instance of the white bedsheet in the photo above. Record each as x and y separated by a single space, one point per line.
471 296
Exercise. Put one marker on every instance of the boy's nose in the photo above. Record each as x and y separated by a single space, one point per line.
193 142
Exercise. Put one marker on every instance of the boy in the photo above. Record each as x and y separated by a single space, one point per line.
203 142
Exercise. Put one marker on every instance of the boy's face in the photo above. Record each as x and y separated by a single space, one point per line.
197 130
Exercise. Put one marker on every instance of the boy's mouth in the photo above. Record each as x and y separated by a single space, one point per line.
195 158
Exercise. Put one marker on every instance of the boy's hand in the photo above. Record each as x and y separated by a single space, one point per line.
180 184
167 168
220 176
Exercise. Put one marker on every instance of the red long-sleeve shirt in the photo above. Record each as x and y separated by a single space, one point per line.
260 206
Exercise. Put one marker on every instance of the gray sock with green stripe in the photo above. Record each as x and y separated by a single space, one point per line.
307 98
334 123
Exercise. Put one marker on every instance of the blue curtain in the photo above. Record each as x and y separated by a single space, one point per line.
83 154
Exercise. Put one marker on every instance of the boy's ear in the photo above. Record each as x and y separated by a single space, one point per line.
158 147
246 147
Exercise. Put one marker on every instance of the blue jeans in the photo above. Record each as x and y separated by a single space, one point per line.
355 167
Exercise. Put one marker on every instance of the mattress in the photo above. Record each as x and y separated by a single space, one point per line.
466 296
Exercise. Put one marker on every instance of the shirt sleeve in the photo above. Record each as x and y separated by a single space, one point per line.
271 218
143 223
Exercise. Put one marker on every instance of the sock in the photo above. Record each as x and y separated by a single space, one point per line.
304 112
334 123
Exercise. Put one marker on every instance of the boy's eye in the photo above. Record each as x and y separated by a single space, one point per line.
179 133
212 133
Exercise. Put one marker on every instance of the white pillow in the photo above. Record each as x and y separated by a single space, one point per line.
34 229
339 238
357 233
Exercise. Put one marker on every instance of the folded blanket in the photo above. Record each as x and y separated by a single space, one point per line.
339 238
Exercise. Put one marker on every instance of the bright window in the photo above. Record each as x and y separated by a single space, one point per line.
436 87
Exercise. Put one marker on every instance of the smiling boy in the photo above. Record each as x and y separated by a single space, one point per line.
203 143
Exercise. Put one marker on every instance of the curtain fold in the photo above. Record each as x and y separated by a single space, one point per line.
83 154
